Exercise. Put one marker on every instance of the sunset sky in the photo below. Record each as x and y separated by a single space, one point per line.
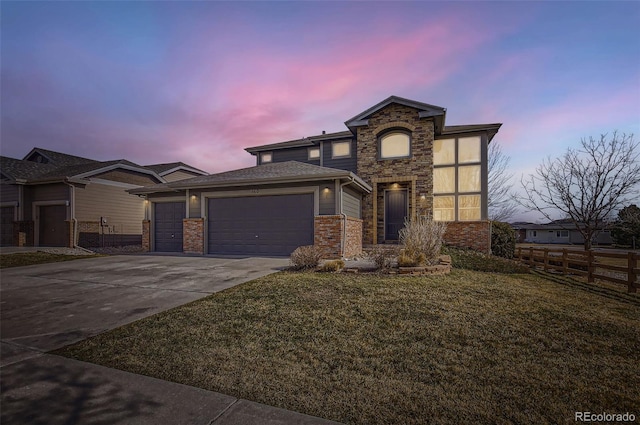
199 81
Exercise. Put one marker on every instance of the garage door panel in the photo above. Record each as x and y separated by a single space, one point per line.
261 225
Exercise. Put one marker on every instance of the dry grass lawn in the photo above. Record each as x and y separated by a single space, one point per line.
31 258
469 347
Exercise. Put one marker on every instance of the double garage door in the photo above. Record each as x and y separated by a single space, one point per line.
260 225
255 225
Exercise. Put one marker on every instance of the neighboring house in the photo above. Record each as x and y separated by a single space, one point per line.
54 199
558 232
339 191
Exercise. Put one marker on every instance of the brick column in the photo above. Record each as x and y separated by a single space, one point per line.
193 236
353 241
146 235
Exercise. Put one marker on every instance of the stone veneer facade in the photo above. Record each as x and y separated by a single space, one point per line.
414 173
328 234
193 236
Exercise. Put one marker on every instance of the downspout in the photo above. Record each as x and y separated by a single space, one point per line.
73 213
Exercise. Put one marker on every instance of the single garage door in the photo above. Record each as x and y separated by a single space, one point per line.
53 228
260 225
168 226
6 229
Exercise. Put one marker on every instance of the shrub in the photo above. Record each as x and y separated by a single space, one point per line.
503 239
422 239
332 266
405 260
305 257
383 256
477 261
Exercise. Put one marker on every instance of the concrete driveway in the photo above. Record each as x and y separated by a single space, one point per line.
48 306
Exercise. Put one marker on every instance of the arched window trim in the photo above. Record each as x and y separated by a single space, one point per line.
388 132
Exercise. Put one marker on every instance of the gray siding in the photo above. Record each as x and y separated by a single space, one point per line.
45 192
124 212
349 164
351 203
8 193
293 154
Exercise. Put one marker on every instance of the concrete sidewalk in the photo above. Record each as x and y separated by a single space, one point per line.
55 390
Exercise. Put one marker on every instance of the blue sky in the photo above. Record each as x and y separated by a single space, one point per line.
199 81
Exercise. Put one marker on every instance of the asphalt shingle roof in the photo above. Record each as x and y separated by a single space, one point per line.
259 174
62 159
23 170
161 168
306 141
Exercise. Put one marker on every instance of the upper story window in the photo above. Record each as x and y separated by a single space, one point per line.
314 153
396 144
341 149
457 179
266 157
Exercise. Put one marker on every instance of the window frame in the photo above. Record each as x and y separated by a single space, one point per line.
559 234
390 132
456 165
334 156
263 154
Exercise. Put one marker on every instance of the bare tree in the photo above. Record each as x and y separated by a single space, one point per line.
587 184
500 201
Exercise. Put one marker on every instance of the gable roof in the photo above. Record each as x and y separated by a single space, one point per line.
425 110
164 169
58 158
278 172
29 172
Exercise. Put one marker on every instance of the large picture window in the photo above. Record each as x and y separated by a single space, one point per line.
396 144
457 179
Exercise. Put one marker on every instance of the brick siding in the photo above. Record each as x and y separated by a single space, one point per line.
464 234
193 236
89 234
328 234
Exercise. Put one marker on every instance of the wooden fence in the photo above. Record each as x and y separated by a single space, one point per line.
591 264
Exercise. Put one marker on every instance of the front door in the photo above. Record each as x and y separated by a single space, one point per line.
395 211
53 229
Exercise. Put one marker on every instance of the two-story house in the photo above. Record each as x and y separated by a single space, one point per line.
339 191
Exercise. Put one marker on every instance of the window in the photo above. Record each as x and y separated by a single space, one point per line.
468 149
444 208
444 180
395 145
444 152
314 153
534 233
469 207
469 178
341 149
266 157
562 234
457 173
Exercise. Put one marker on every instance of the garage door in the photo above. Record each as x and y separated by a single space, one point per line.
168 226
6 225
53 229
260 225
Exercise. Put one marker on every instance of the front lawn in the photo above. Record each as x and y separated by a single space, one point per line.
469 347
